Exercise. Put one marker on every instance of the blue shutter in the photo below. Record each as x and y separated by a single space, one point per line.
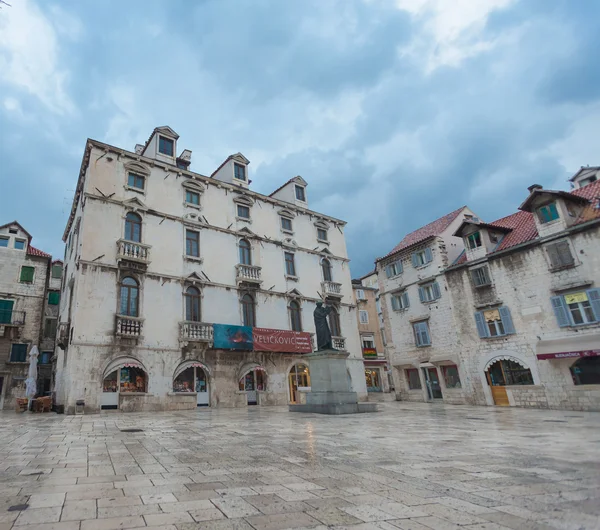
428 255
507 322
594 298
399 267
482 328
395 303
436 290
427 338
417 329
388 271
405 300
560 310
421 294
415 263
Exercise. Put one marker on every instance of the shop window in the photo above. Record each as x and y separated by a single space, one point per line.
245 252
334 323
547 213
474 240
254 380
586 371
494 323
578 308
373 380
111 383
27 274
507 372
295 316
132 379
129 297
248 310
451 377
299 377
192 304
326 269
133 227
53 298
136 181
184 382
18 353
414 381
421 258
192 243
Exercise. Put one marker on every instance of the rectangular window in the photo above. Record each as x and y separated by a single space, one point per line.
422 257
429 292
239 172
363 317
494 322
360 294
165 146
53 298
192 243
400 301
321 234
560 255
368 343
393 269
422 337
57 271
192 197
474 240
243 211
19 244
136 181
18 353
286 224
580 308
290 267
451 377
3 241
548 213
481 276
27 274
45 357
300 195
50 327
414 381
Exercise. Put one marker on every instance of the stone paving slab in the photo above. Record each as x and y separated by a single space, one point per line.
409 467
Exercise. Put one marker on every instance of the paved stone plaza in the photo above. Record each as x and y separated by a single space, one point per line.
410 466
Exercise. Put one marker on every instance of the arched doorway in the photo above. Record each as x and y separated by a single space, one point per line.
252 381
122 376
299 377
193 377
503 372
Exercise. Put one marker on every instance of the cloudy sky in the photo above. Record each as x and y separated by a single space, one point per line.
395 111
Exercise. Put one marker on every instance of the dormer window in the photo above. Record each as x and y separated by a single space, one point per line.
13 231
20 244
548 213
243 211
136 181
239 172
300 194
166 146
474 240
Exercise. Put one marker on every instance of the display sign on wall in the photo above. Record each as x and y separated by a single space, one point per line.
568 354
575 298
228 337
280 340
369 352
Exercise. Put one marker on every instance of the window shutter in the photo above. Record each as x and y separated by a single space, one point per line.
428 255
406 302
436 290
417 329
594 298
426 337
564 253
27 274
388 271
553 255
560 310
507 322
421 294
399 267
415 263
395 303
482 328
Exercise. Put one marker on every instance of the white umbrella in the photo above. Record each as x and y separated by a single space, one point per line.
31 381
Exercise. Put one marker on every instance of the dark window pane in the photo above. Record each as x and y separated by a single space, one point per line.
290 268
243 211
239 171
165 146
19 244
192 243
245 253
18 353
322 234
586 371
191 197
300 195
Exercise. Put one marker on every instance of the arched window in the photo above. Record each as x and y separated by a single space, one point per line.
248 310
295 316
192 304
245 252
129 297
586 371
133 227
334 323
326 267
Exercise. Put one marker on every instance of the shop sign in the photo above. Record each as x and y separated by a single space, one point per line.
575 298
228 337
568 354
369 352
280 340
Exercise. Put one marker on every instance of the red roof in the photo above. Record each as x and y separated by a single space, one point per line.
32 251
432 229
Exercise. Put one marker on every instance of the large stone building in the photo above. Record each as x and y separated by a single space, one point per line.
515 319
25 276
183 289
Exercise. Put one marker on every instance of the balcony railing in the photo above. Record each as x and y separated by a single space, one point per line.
332 289
248 273
133 251
339 343
8 317
62 335
195 331
129 326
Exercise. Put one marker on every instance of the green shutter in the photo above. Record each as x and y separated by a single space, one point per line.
27 274
53 298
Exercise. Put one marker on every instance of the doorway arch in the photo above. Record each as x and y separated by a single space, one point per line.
193 376
252 379
122 375
298 377
519 370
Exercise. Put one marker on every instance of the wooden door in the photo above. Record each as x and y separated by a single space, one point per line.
498 393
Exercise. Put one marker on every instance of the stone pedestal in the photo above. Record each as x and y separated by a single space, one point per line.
331 392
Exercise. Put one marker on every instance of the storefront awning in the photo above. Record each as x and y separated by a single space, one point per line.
404 361
373 362
571 347
446 357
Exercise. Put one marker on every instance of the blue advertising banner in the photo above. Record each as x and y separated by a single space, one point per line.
228 337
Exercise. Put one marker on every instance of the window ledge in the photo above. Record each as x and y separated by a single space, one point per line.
419 319
292 278
18 363
324 241
483 286
121 394
137 190
563 267
575 327
182 393
192 205
424 346
235 179
195 259
427 302
400 310
288 232
243 219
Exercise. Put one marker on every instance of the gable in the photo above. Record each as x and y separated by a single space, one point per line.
15 224
137 167
165 130
135 204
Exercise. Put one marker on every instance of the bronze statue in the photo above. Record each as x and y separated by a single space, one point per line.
322 327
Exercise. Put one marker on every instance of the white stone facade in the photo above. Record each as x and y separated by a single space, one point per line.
218 213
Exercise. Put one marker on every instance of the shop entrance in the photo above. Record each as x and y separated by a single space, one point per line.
193 379
299 378
373 379
504 373
434 391
126 379
252 383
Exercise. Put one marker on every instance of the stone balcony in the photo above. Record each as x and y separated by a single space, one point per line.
333 289
133 252
128 327
195 331
62 335
248 274
339 343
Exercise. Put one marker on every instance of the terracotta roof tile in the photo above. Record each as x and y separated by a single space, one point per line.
32 251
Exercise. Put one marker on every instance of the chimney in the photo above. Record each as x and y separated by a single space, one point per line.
184 159
138 149
535 187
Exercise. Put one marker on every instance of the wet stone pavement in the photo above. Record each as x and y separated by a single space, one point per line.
409 467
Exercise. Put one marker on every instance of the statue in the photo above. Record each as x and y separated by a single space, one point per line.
322 327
